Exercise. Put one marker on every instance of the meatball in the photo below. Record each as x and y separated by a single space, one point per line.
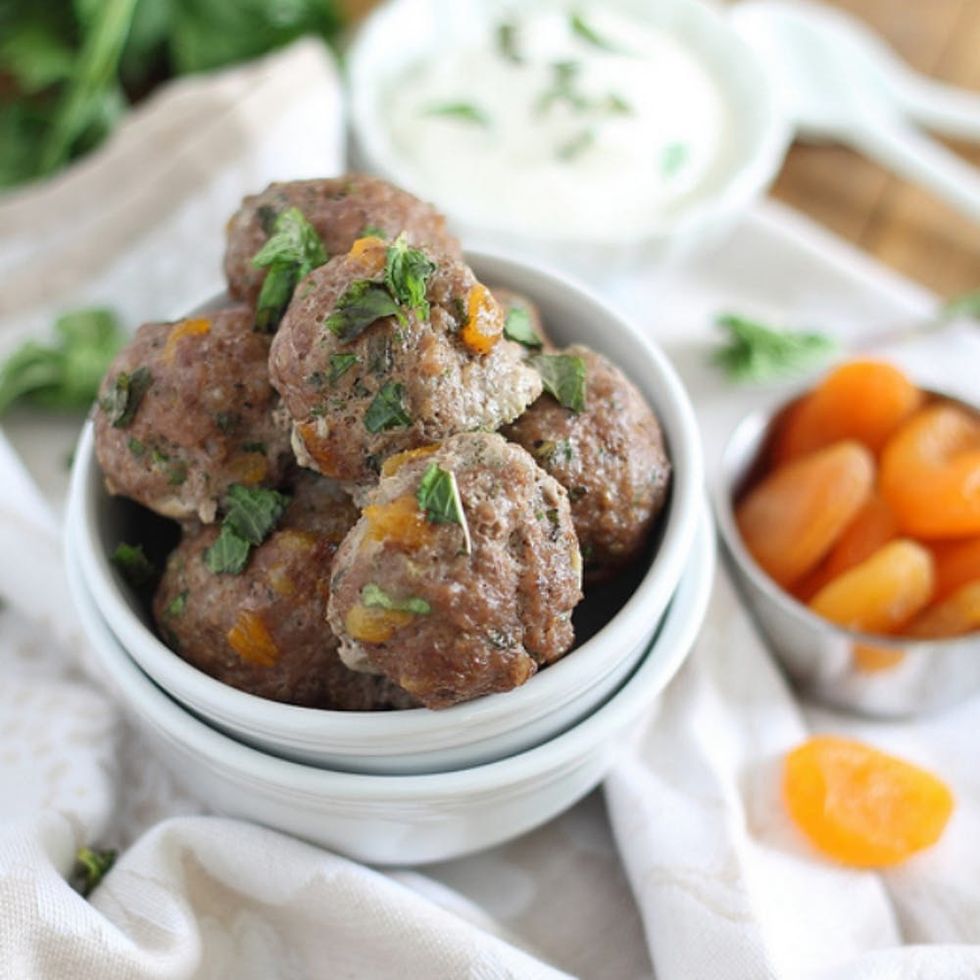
610 458
186 410
263 630
518 311
341 209
400 377
451 611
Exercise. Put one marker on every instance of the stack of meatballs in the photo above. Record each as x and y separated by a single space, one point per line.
390 484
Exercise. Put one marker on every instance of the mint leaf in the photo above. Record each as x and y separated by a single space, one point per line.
91 866
123 399
229 553
360 305
438 495
340 364
754 352
407 271
253 512
132 562
564 378
374 597
387 409
464 111
518 327
177 605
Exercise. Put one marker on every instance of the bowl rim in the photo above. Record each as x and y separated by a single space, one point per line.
752 429
727 54
682 623
412 730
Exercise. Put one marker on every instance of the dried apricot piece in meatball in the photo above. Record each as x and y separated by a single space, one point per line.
185 410
389 348
609 456
341 210
461 575
263 629
522 320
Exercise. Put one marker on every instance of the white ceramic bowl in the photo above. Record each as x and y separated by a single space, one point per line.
402 819
401 33
492 727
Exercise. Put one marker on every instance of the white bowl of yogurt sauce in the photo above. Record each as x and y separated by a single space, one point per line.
589 133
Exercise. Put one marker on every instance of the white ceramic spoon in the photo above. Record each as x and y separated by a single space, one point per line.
837 81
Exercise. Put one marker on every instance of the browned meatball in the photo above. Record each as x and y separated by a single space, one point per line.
451 613
341 209
186 410
407 378
610 458
263 630
519 312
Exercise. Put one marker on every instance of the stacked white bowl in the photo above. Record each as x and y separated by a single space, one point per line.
405 787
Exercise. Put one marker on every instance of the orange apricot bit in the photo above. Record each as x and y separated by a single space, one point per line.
484 322
195 327
400 521
371 625
930 473
882 593
794 516
862 400
315 446
394 463
870 659
249 468
957 563
873 527
370 253
861 806
251 640
954 616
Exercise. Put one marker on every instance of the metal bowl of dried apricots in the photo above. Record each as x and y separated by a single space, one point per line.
851 517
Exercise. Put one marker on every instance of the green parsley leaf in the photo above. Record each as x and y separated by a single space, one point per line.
576 146
672 158
360 305
507 42
340 364
966 304
91 866
177 605
123 399
292 251
132 562
407 271
229 553
464 111
581 28
518 327
253 512
387 409
374 597
754 352
564 378
66 374
438 495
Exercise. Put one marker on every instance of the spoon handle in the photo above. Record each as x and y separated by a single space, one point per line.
942 108
920 159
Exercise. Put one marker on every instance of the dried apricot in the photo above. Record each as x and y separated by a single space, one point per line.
793 517
872 528
862 400
957 563
399 521
251 640
954 616
882 593
861 806
370 625
930 473
484 321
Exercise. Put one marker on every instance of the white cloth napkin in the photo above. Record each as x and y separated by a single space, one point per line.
701 875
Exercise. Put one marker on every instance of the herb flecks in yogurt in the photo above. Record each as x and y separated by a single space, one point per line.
583 30
463 111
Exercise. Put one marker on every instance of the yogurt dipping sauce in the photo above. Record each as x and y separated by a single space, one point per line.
560 121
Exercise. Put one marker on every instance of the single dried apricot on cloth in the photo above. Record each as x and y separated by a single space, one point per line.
862 400
930 473
861 806
873 527
957 564
882 593
955 615
794 516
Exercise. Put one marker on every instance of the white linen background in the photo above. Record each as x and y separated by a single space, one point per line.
696 873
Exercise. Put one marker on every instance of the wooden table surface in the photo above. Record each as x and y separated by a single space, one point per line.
903 226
